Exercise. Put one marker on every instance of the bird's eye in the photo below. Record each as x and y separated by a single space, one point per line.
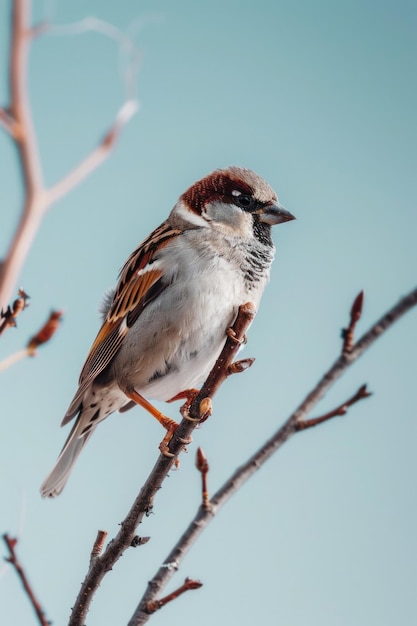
244 201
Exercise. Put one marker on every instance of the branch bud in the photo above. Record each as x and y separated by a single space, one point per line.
45 333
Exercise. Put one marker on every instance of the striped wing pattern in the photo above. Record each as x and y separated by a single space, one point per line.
139 283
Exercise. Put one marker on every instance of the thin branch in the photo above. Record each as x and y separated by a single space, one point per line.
144 501
204 515
189 584
203 467
11 543
348 334
44 335
340 410
20 111
7 123
14 358
16 119
8 317
95 158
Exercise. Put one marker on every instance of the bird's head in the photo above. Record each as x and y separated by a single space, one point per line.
234 201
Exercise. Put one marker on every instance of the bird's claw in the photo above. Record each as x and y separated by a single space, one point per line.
232 335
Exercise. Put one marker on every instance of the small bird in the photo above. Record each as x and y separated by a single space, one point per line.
178 293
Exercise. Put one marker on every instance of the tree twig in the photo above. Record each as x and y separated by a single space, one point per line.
16 119
11 543
44 335
8 317
144 501
188 585
204 515
338 411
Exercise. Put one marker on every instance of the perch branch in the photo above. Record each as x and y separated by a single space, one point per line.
144 501
11 543
204 515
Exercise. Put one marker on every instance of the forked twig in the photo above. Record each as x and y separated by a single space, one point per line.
16 119
11 543
204 515
189 584
41 337
338 411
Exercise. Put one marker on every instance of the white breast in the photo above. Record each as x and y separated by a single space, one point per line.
178 337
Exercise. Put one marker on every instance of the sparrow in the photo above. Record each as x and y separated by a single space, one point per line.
177 295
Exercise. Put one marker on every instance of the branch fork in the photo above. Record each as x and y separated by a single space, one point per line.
16 120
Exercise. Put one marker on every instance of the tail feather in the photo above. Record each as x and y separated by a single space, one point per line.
92 405
56 480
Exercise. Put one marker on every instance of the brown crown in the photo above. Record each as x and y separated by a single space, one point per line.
219 185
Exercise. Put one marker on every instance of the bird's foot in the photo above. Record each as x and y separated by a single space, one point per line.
189 395
232 335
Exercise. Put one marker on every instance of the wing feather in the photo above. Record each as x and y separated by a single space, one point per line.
140 282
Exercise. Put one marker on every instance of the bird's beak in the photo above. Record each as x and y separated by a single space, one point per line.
275 214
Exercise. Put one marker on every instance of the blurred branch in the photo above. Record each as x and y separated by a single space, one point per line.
16 119
348 334
8 317
143 504
95 158
293 425
42 336
11 543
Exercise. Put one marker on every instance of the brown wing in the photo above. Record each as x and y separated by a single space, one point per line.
140 282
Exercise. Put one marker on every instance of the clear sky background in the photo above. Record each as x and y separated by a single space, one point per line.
320 99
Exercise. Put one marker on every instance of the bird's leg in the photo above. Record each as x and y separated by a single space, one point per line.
189 395
169 424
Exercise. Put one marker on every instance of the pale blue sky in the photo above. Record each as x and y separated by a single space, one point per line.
320 99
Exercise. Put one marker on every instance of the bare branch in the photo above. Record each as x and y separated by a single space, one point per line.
205 514
144 501
19 99
338 411
42 336
16 119
11 543
95 158
8 317
189 584
220 372
8 123
14 358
